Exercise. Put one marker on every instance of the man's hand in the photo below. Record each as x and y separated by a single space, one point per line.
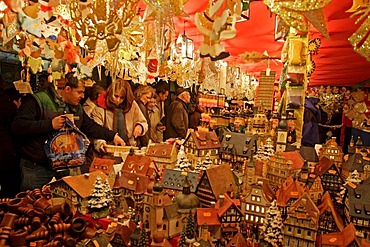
118 141
137 130
58 122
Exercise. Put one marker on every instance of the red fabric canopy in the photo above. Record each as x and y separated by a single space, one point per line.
336 62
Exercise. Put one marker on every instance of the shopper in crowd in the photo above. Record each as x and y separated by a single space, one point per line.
9 168
195 118
311 120
92 97
40 117
118 111
143 95
177 121
156 126
162 92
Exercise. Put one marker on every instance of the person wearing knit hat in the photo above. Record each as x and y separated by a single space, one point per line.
177 122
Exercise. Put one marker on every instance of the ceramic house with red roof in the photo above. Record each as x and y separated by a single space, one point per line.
282 165
130 188
77 189
214 182
315 188
330 220
358 161
140 164
332 151
222 219
164 155
330 176
302 223
200 143
343 238
288 193
104 165
255 204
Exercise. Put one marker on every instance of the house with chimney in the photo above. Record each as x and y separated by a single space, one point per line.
302 223
200 143
105 165
214 182
77 189
236 148
357 206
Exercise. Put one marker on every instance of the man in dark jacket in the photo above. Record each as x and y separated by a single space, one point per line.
40 117
312 118
177 120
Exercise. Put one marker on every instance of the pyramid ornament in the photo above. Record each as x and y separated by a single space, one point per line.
317 19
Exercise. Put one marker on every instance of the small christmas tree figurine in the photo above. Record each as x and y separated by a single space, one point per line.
98 200
190 228
182 160
353 178
272 228
182 241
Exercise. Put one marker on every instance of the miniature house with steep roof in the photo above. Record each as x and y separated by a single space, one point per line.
164 155
200 143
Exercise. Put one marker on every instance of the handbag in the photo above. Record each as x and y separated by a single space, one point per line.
67 148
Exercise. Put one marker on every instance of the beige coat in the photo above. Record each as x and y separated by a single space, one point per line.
155 123
133 117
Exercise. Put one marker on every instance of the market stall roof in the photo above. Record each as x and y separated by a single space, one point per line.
336 62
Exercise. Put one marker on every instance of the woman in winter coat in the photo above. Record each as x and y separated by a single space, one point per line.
118 111
143 95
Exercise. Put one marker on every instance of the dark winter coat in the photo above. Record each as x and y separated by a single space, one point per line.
33 124
177 120
143 140
312 118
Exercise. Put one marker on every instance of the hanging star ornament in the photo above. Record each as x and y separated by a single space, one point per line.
297 13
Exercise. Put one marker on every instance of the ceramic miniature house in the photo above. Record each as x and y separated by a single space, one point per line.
104 165
200 143
359 162
330 176
330 220
173 181
345 237
141 164
77 189
288 193
357 206
282 165
332 151
281 135
315 188
301 225
214 182
164 155
236 148
255 204
222 218
160 208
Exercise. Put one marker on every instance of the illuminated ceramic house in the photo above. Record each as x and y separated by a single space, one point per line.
332 151
329 175
302 223
164 155
223 218
77 189
200 143
357 206
330 220
236 148
255 205
358 161
214 182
